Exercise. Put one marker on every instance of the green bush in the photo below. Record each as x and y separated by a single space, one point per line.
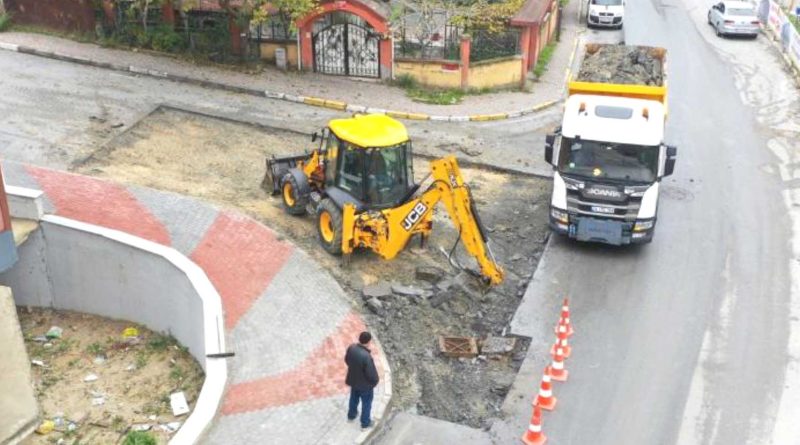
406 81
544 59
139 438
164 38
5 21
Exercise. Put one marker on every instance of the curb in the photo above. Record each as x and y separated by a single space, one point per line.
306 100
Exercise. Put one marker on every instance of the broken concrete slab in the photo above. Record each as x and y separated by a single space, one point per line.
381 290
407 291
498 345
431 274
375 305
469 285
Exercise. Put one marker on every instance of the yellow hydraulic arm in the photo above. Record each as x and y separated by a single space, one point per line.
388 231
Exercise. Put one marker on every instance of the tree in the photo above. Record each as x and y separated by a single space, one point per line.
143 6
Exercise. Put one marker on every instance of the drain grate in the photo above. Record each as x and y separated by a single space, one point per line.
458 346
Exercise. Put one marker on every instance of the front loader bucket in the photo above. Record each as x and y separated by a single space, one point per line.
277 168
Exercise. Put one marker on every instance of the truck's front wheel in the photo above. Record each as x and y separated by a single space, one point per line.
329 227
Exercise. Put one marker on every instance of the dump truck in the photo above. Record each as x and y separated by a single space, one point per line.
608 154
359 184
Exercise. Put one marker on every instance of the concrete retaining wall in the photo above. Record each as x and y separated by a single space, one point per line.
71 265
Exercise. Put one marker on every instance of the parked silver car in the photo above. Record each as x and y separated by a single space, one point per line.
734 18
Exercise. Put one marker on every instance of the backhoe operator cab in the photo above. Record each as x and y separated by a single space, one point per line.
360 184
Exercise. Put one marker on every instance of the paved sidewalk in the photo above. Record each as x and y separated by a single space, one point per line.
287 320
338 90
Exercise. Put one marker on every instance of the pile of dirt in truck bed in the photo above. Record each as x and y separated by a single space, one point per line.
623 64
223 162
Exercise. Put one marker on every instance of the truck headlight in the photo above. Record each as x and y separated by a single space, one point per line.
641 226
559 215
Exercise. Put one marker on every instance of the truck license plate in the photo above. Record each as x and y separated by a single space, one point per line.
606 210
591 229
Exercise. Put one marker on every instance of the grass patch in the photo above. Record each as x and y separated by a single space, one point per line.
5 21
544 59
435 96
96 349
792 18
139 438
160 343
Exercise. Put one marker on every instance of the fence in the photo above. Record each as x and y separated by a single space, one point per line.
491 45
442 45
781 26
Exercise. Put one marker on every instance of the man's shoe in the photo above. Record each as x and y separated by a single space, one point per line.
350 419
371 424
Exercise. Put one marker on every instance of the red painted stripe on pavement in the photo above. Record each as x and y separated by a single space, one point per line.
240 257
320 375
99 202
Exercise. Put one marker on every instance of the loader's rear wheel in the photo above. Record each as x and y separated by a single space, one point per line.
293 202
329 227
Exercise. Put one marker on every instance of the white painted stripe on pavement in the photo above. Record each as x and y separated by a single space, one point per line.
9 46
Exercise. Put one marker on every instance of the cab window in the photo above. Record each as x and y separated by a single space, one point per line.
351 170
331 148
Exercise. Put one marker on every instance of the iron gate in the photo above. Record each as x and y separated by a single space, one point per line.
347 49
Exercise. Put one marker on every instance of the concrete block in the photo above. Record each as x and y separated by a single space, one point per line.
17 399
25 203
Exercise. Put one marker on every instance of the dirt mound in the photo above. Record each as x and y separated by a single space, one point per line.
630 65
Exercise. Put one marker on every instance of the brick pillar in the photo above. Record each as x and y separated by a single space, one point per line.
168 13
236 40
525 50
386 61
466 42
306 47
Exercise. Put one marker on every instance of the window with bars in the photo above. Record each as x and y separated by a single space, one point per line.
275 29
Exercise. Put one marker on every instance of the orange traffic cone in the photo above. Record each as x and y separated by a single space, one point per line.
561 341
534 435
557 371
545 399
564 319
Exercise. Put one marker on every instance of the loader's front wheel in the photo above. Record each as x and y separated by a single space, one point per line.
329 227
293 202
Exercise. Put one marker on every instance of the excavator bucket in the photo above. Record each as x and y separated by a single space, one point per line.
277 168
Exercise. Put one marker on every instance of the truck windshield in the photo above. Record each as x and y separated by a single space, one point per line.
607 2
603 160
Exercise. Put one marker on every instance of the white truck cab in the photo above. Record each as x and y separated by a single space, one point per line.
608 159
605 13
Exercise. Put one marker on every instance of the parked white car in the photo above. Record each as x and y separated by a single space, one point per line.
605 13
734 18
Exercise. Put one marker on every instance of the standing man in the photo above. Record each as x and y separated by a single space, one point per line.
362 377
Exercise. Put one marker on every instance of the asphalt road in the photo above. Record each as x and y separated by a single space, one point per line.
687 340
55 113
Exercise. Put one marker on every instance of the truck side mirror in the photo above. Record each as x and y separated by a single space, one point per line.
549 141
669 165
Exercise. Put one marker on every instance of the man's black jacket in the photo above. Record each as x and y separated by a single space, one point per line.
361 372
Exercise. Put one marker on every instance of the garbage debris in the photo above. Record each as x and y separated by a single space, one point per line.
130 332
498 345
177 401
38 363
97 401
90 378
141 427
170 427
46 427
99 360
54 332
40 339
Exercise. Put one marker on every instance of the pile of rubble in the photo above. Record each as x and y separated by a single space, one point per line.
622 64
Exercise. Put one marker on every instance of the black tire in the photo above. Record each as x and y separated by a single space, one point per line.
709 18
329 226
716 29
293 201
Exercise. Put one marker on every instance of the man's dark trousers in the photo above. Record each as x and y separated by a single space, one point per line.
365 395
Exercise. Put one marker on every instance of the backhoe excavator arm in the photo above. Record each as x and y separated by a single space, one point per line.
388 231
456 197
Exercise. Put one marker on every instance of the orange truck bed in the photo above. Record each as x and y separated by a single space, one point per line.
637 91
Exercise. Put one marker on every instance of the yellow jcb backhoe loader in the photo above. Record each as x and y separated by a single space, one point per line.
360 185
